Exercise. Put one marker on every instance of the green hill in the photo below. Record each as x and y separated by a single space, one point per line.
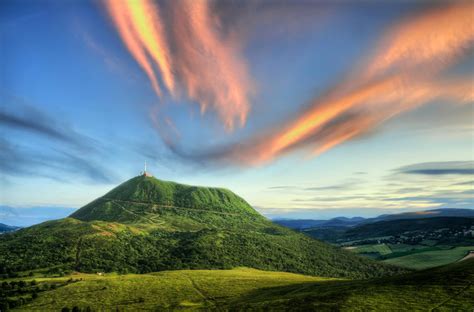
442 289
143 196
147 225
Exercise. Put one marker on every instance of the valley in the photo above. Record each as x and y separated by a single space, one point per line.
412 240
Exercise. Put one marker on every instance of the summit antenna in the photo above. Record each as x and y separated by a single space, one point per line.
146 174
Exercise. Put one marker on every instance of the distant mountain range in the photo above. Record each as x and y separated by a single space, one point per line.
7 228
398 226
301 224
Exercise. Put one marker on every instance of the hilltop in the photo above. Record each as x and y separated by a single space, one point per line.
143 199
146 225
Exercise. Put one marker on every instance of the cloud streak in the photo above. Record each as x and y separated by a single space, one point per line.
64 150
121 19
188 50
31 125
28 119
440 168
404 73
21 161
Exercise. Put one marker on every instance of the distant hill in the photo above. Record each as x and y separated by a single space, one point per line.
398 227
300 224
394 227
7 228
147 225
338 222
442 212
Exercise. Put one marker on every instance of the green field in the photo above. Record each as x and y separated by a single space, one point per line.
412 256
441 289
431 258
382 249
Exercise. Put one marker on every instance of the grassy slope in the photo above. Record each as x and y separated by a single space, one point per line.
148 225
444 289
169 289
429 259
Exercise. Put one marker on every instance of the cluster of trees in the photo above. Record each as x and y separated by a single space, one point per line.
14 294
9 273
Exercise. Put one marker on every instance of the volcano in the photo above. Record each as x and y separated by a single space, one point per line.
147 225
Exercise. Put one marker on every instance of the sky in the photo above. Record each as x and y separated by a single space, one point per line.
307 109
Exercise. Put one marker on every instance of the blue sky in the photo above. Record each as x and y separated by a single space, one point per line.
79 114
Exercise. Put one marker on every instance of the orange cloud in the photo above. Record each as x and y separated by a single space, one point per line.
189 50
405 73
361 110
434 41
210 66
145 19
437 37
121 18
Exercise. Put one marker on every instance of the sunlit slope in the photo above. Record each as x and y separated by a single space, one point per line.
442 289
173 290
148 225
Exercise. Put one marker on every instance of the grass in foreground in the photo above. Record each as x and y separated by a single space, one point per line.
185 289
441 289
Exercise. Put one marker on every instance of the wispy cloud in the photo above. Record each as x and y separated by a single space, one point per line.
408 188
21 161
334 187
188 48
33 125
440 168
29 119
74 154
405 72
471 182
283 187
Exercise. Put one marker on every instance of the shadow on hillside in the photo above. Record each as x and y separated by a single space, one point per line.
451 281
309 296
